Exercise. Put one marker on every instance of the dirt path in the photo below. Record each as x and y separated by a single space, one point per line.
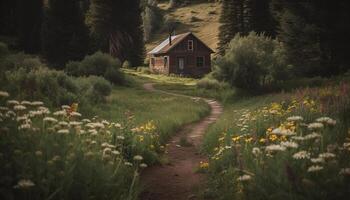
178 180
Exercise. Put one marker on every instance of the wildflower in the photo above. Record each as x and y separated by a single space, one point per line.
89 154
244 178
120 137
63 123
39 153
105 122
75 114
56 158
128 164
281 131
34 113
25 126
107 150
315 125
60 113
327 120
65 107
4 94
298 138
275 147
262 140
12 102
301 155
24 184
115 152
326 155
63 131
273 137
22 118
314 168
50 119
317 160
37 103
117 125
138 158
248 140
295 118
75 123
93 132
19 107
143 165
256 151
345 171
4 108
312 135
289 144
86 120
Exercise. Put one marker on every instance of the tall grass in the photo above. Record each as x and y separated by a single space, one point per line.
296 147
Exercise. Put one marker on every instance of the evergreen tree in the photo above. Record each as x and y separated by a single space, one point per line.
121 22
30 14
64 34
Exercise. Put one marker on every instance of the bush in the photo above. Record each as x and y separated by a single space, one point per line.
4 51
252 62
144 70
127 65
98 64
207 83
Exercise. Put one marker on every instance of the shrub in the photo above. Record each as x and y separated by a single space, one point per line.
98 64
144 70
207 83
252 62
126 65
4 51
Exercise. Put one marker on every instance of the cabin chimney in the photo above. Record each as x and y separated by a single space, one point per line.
169 39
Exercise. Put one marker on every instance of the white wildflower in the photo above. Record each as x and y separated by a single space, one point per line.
4 94
143 165
326 155
63 123
244 178
317 160
24 184
301 155
289 144
63 131
115 152
12 102
315 125
26 103
75 114
105 122
128 164
275 147
117 125
285 132
312 135
298 138
107 150
314 168
65 107
327 120
138 158
119 137
256 151
295 118
86 120
37 103
19 107
50 119
93 132
345 171
60 113
34 113
25 126
22 118
75 123
2 108
44 110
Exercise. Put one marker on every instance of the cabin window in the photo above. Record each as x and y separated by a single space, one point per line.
190 45
165 61
152 62
200 61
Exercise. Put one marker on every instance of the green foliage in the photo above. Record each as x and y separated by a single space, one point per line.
64 34
252 62
144 70
4 51
98 64
211 84
127 64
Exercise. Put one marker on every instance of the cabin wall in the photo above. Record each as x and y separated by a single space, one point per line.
157 64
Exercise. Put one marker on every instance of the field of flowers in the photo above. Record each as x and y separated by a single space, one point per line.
58 154
295 148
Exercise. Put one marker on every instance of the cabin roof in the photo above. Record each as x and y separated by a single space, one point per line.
164 47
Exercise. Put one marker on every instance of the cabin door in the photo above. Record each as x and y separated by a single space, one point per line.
181 63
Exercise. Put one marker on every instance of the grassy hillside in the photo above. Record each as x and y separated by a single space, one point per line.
202 19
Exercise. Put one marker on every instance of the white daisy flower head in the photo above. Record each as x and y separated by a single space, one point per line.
143 165
312 135
37 103
26 103
75 114
60 113
317 160
326 155
301 155
50 119
63 131
65 107
128 164
256 151
327 120
19 107
284 132
12 102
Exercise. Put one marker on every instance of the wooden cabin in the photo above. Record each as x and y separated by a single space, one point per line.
183 54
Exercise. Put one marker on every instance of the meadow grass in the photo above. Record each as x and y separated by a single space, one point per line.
290 146
58 153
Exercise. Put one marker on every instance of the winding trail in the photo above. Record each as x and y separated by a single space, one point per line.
177 180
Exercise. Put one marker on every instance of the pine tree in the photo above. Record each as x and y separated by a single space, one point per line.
121 22
30 15
64 35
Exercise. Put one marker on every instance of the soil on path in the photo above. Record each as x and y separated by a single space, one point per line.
178 180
